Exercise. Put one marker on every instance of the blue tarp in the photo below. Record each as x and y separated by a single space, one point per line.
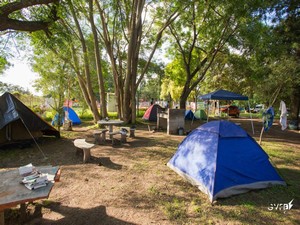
221 159
223 95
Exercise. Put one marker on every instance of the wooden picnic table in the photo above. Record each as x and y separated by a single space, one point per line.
12 192
110 124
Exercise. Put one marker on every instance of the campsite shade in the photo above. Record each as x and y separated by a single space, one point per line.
223 95
17 120
221 159
226 95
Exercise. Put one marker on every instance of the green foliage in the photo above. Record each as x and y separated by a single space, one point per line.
3 64
203 32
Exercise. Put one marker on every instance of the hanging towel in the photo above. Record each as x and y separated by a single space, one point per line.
283 115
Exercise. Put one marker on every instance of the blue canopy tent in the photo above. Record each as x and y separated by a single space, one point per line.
223 95
222 160
226 95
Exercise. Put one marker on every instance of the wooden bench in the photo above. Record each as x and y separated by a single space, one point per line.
81 144
100 136
119 132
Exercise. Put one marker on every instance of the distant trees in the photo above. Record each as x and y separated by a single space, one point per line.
12 88
201 33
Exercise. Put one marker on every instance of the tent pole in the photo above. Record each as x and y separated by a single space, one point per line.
251 117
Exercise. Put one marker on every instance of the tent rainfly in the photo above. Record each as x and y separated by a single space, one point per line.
222 160
227 95
151 113
19 123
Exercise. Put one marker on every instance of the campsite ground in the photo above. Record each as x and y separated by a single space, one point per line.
131 184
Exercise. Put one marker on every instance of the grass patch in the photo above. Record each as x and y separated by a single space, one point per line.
158 189
140 166
175 209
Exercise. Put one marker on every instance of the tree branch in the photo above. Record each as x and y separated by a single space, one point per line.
7 23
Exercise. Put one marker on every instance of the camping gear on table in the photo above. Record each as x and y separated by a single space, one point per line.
221 159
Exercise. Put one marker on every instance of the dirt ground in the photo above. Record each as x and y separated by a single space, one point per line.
119 184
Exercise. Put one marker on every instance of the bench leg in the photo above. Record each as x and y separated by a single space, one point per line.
86 154
113 140
123 138
23 215
132 133
97 139
103 138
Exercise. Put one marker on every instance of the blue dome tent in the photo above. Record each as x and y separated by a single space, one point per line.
189 115
221 159
72 115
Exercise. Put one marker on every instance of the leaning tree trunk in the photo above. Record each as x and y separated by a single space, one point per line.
98 62
86 63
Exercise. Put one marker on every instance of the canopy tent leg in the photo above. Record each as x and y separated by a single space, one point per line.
261 134
251 117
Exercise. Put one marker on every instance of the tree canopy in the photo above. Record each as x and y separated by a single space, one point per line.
111 45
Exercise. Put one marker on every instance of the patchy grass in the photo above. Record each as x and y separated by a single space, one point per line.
135 185
175 209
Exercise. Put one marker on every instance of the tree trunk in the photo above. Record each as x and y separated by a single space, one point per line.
93 104
184 95
126 83
103 109
109 48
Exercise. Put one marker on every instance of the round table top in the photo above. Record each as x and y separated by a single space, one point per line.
110 122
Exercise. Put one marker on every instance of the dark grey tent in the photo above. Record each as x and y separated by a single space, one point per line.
226 95
19 123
